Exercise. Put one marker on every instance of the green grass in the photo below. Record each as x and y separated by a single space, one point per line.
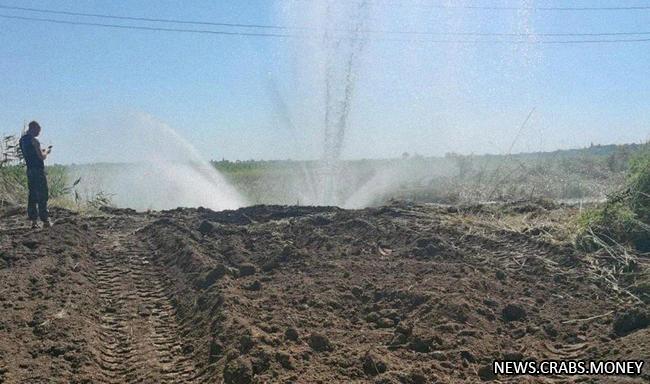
13 185
639 185
625 217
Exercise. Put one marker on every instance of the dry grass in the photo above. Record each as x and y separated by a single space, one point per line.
618 267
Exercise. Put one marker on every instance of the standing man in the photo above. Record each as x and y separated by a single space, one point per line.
36 181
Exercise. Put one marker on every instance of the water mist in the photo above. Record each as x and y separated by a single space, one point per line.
334 64
158 169
331 64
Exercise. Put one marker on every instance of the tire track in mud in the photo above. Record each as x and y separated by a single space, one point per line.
138 338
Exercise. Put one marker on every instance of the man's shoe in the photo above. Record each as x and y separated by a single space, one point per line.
47 224
34 224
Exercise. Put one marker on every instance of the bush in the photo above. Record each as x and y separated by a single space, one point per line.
639 182
13 185
625 217
13 179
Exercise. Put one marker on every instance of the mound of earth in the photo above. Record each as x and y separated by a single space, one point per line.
396 294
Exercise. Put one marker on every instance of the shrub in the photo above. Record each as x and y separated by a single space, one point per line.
639 185
13 179
625 217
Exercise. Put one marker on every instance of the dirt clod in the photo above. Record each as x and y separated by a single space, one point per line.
417 377
285 360
513 312
213 275
486 373
247 269
238 371
467 356
291 334
513 356
420 344
31 244
206 227
373 364
630 321
319 342
216 349
254 286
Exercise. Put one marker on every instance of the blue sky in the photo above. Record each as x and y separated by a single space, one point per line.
227 95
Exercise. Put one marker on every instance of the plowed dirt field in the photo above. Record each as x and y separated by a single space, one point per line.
396 294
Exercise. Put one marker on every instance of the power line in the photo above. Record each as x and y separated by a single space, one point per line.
281 27
497 8
144 28
514 34
392 3
155 20
506 8
282 35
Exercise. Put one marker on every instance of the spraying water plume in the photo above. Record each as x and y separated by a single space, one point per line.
332 61
162 170
333 83
342 55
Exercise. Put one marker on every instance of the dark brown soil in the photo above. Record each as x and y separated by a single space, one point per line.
397 294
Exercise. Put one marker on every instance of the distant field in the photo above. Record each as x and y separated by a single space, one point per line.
580 174
587 174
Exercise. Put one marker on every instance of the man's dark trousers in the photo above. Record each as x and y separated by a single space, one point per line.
38 194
